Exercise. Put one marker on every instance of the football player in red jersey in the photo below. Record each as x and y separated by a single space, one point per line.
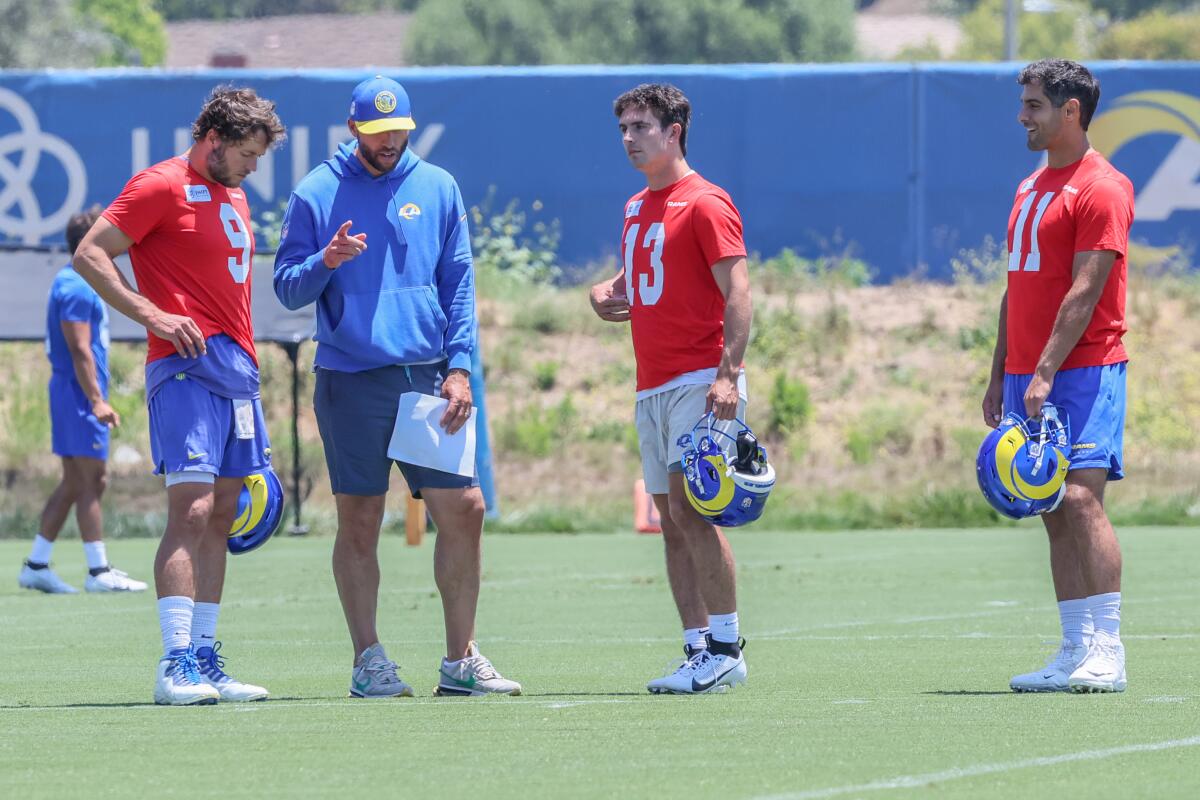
685 289
185 223
1061 323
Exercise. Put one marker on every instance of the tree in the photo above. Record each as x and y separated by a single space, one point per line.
135 32
1154 36
1070 31
241 9
475 32
46 35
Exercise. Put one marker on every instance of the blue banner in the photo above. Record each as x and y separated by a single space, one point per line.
900 165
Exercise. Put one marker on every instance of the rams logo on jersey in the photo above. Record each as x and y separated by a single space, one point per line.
410 210
385 102
633 208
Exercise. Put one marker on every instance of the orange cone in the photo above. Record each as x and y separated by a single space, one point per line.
645 513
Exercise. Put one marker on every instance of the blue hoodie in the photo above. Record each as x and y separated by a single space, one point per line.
409 298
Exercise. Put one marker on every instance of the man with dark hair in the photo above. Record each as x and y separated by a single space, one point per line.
186 225
377 239
80 417
1059 341
686 290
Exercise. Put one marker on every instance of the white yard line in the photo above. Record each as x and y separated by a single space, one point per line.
918 781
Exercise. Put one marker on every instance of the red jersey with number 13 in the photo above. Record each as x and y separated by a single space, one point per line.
671 239
193 250
1057 213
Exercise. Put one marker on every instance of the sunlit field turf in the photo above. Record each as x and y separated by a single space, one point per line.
878 667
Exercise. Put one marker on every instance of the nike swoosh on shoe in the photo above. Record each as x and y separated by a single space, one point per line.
697 686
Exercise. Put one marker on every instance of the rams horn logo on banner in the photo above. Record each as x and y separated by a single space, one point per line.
410 210
1175 183
385 102
1142 113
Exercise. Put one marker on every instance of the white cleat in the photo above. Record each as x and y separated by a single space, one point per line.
704 673
179 682
375 676
113 580
45 580
671 677
212 672
1053 677
1104 668
472 676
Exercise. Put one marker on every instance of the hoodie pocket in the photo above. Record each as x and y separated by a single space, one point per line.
391 326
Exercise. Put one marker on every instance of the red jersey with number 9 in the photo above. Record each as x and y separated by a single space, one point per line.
1057 213
193 250
671 239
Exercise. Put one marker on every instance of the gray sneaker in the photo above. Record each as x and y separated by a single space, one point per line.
375 676
472 676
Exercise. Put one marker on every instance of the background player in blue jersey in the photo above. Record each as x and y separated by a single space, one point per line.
80 416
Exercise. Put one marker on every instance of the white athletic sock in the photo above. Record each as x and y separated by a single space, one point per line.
693 638
724 627
1076 619
204 624
40 552
95 554
175 619
1106 613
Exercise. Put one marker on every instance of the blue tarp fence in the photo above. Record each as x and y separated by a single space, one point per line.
906 165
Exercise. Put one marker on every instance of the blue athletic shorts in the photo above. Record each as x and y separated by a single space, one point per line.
1093 399
194 430
356 412
74 430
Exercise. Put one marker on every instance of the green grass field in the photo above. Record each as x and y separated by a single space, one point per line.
879 666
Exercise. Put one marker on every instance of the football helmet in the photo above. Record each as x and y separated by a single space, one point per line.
259 512
1022 464
726 475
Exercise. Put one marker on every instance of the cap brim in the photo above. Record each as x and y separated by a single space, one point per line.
386 124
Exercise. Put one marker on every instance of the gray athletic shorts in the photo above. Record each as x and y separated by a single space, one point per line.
661 419
356 412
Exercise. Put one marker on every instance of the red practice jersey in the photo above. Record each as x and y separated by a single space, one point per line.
1057 213
192 252
671 239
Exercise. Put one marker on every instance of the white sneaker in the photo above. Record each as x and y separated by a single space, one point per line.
472 676
113 580
1053 677
661 685
1104 668
43 580
212 672
375 676
179 682
706 672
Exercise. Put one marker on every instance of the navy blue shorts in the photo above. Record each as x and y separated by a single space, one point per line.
74 429
1093 401
194 430
356 412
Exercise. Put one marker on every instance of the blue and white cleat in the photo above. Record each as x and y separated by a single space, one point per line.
212 673
704 673
179 682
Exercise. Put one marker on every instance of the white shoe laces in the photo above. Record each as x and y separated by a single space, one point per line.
382 670
480 667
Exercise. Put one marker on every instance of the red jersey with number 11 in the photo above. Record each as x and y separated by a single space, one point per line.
672 238
1057 213
193 250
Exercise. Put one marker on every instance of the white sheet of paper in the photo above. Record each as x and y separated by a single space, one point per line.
418 439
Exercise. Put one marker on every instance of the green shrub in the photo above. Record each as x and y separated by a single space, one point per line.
880 428
545 375
791 405
536 431
1156 36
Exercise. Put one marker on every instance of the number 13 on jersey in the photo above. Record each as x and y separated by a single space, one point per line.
647 286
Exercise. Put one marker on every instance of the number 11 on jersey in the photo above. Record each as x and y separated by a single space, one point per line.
648 288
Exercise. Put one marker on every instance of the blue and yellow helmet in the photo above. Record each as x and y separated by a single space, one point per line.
726 475
259 512
1022 464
